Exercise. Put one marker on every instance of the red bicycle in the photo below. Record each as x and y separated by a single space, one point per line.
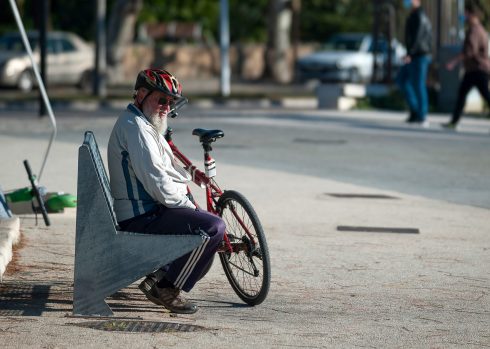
243 253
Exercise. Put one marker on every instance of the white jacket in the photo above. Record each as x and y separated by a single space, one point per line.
142 169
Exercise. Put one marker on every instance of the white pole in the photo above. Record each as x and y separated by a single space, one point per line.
15 10
225 47
100 77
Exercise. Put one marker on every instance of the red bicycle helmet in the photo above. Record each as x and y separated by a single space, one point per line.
159 80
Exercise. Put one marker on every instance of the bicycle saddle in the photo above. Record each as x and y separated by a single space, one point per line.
207 136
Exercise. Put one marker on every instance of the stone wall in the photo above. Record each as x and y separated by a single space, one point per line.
198 61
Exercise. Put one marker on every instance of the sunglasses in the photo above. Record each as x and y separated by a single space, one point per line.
164 101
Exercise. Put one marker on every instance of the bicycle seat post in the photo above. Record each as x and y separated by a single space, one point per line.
209 163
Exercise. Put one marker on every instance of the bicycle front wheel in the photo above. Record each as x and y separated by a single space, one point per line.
248 266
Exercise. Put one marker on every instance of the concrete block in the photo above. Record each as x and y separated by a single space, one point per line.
9 236
4 208
328 95
355 90
304 103
343 96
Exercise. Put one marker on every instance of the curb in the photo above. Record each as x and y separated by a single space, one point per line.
288 102
9 236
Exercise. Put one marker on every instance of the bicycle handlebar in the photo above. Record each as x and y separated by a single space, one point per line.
180 103
36 193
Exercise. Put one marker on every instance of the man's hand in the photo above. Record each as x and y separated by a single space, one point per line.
450 65
453 62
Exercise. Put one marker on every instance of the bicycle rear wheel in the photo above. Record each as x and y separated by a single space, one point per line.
248 266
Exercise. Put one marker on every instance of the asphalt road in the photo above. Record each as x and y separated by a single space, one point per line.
373 149
364 148
330 287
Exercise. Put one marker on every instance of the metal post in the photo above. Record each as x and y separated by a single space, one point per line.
389 38
439 31
296 8
225 47
376 21
22 30
43 23
461 20
100 75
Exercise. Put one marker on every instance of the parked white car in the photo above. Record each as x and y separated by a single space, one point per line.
348 57
70 60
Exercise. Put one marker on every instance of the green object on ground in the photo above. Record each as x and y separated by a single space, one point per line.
56 202
24 194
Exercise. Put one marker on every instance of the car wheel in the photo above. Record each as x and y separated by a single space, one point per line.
354 75
86 81
26 81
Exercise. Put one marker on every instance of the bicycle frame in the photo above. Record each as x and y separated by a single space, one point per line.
213 193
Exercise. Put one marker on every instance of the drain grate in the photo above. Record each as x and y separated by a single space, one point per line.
361 196
378 229
139 326
319 141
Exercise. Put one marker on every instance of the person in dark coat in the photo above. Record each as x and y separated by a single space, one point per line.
412 76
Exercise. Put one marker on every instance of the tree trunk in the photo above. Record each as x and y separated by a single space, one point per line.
278 63
121 30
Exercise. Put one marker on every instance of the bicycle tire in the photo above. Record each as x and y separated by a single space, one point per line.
249 272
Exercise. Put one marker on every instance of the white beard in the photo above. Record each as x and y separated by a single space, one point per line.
159 123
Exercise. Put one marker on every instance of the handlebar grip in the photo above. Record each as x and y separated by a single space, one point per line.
180 103
28 169
37 194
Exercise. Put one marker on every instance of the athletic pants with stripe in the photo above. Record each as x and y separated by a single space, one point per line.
185 271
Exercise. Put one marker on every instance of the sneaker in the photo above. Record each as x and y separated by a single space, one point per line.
171 299
411 118
423 124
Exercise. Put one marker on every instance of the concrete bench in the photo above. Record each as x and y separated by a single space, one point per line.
106 258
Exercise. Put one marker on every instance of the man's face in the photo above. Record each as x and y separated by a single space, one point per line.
156 107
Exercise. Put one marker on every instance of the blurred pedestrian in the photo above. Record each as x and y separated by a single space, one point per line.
476 63
413 74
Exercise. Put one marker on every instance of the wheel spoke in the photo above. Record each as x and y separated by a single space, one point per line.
247 266
244 267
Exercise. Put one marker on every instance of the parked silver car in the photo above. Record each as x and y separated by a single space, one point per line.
70 60
348 57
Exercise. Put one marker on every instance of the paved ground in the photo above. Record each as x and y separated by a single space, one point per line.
329 288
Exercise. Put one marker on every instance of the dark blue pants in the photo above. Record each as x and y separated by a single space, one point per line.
185 271
411 80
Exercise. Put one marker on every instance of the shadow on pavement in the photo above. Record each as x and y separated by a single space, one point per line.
21 299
